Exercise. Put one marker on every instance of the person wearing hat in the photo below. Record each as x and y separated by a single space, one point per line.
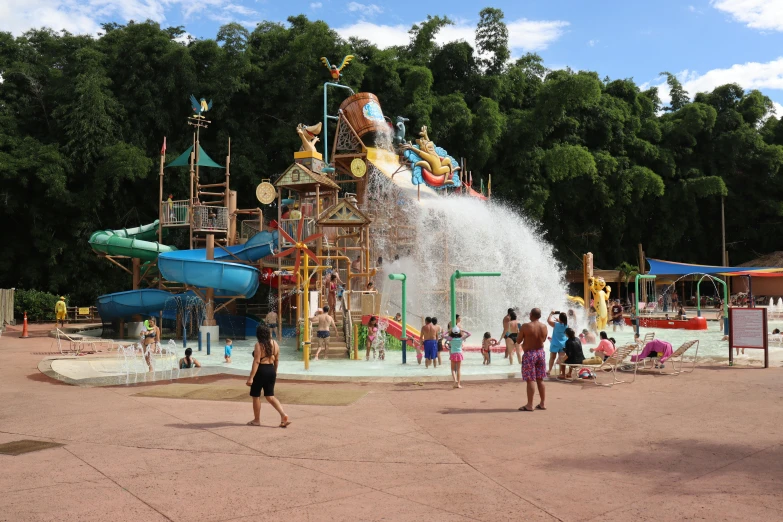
456 337
60 312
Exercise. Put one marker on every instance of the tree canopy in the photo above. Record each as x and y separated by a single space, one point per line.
600 164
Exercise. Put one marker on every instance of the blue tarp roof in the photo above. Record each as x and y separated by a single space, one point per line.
659 267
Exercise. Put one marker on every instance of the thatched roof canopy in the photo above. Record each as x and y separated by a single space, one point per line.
773 259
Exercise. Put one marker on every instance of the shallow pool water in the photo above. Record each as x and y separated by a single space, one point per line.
712 350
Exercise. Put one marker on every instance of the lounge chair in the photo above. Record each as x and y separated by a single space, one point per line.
610 364
676 357
73 345
651 307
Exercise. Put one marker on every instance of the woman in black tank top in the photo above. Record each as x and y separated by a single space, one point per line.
263 374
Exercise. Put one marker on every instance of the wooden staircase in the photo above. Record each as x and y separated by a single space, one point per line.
337 344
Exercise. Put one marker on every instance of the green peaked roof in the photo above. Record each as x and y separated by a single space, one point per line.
203 159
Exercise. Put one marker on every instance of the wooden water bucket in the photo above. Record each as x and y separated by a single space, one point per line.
363 112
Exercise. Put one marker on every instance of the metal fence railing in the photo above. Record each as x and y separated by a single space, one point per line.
209 219
174 213
249 229
290 227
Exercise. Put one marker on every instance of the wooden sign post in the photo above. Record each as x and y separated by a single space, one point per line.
748 330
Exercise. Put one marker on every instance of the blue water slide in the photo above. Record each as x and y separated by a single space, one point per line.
142 302
191 267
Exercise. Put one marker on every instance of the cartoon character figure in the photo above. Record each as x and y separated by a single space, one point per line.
430 159
200 106
399 133
334 70
308 135
601 293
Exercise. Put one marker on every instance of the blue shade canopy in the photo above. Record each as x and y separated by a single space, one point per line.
659 267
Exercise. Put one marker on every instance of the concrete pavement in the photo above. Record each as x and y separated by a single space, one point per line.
701 446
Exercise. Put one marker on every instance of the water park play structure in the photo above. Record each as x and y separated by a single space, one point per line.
177 282
329 212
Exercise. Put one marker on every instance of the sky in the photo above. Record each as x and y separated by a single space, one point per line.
706 43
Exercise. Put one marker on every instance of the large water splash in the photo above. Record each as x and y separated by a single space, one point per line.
432 239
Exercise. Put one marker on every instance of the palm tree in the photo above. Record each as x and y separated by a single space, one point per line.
628 273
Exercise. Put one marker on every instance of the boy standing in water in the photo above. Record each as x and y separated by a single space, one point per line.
227 351
429 340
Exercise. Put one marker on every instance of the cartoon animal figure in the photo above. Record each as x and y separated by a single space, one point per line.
334 70
200 106
308 135
399 133
601 294
430 158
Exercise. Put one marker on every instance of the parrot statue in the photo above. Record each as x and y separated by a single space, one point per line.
334 70
200 106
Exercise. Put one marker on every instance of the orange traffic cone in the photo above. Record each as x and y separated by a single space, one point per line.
25 335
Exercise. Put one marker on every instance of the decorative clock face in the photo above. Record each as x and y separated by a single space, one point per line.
358 167
265 193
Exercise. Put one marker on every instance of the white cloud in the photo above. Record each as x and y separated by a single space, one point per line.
751 75
381 35
756 14
523 34
365 10
316 5
185 38
85 16
592 43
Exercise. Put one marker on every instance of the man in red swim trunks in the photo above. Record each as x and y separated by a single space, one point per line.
532 336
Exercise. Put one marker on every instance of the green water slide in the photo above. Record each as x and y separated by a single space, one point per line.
130 242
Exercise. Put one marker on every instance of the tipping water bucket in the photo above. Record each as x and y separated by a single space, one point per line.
363 112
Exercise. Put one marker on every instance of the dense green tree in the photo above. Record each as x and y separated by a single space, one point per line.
597 163
492 40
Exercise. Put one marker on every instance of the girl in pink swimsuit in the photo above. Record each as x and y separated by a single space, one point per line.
372 331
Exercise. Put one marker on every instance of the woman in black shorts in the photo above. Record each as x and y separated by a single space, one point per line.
266 355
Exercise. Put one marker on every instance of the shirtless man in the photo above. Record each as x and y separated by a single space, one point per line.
271 323
531 337
504 333
325 323
429 338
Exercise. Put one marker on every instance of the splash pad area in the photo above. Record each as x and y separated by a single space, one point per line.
111 369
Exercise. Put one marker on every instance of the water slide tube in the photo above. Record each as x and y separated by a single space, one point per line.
191 267
130 242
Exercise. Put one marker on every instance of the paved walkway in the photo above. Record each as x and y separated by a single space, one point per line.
701 446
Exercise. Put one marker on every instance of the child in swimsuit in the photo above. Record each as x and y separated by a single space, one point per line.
227 351
456 337
372 332
486 347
